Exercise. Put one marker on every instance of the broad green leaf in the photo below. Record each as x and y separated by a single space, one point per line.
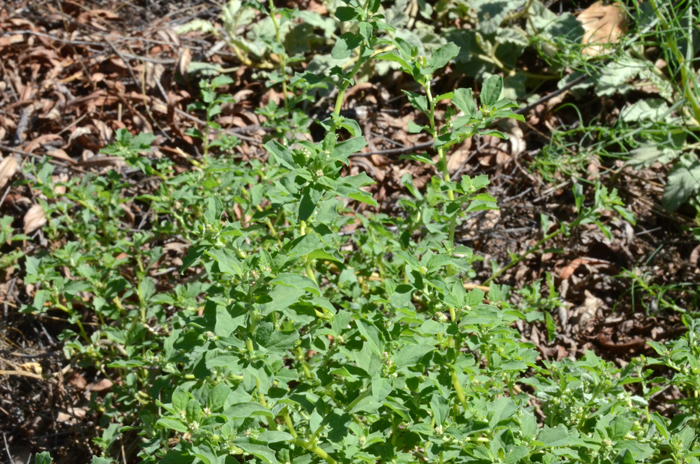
297 281
245 410
217 396
261 452
683 181
346 13
371 334
43 458
440 408
275 436
418 101
227 260
223 79
464 100
281 154
173 423
363 197
345 45
350 146
557 436
409 355
180 399
491 91
442 56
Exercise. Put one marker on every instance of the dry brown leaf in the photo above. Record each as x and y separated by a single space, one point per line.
603 24
588 310
41 140
183 63
60 154
8 168
34 219
106 132
57 181
566 272
694 255
78 132
101 385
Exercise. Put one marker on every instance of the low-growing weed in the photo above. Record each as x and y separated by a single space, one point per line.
278 337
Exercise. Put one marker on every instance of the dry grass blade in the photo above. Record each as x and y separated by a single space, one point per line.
603 25
34 219
8 168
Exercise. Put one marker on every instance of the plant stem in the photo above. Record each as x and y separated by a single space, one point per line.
362 396
344 87
459 390
290 424
282 56
445 170
316 450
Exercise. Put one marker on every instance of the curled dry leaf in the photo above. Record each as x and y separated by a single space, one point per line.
34 219
603 24
8 168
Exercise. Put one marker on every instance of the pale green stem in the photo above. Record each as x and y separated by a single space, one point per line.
316 450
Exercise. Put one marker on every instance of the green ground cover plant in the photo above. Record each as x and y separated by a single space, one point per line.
291 342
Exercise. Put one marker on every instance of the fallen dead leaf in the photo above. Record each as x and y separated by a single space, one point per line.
588 310
34 219
60 154
603 24
101 385
8 168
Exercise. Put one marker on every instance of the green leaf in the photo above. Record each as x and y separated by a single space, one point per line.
409 355
217 396
440 408
261 452
180 399
418 101
363 197
414 128
491 91
281 154
99 460
345 45
346 13
624 457
43 458
245 410
172 423
297 281
142 142
442 56
371 334
275 436
228 263
420 157
348 147
683 181
223 79
464 100
557 436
